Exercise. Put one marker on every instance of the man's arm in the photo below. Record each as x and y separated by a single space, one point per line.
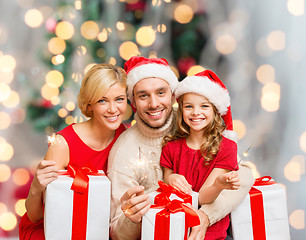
128 203
228 200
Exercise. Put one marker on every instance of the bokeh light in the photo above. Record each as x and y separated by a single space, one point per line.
292 171
58 59
226 44
78 4
69 120
81 50
8 221
48 92
7 63
239 127
89 30
297 219
270 97
20 208
120 26
162 28
128 49
64 30
5 92
145 36
54 78
70 106
103 36
183 13
265 73
3 208
112 60
33 18
296 7
276 40
5 173
6 77
56 45
6 151
303 141
194 70
5 121
21 176
12 101
62 112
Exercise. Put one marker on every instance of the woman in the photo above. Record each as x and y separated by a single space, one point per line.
102 98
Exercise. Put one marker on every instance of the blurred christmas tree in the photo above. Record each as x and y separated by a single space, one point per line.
82 33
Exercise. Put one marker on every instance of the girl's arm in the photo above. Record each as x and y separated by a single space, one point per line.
57 157
217 180
176 180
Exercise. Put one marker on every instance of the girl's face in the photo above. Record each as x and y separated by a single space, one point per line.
197 111
110 109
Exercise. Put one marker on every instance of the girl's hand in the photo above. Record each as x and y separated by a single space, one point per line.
179 182
45 173
229 180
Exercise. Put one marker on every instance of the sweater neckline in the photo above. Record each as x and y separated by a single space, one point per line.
155 133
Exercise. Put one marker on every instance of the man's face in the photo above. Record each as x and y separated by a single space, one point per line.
153 101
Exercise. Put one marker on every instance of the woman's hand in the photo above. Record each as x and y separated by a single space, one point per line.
229 180
45 173
179 182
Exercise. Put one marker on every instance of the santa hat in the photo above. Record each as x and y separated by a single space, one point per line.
138 68
208 84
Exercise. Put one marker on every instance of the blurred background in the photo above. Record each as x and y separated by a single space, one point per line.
256 47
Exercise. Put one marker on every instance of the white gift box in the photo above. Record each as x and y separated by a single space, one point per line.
59 208
177 225
177 220
274 226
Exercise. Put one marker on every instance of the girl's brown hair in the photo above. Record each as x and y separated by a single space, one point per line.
213 132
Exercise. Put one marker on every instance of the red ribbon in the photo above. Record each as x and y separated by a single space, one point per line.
166 190
257 208
162 219
80 198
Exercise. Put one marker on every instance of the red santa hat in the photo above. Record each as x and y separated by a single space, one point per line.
138 68
208 84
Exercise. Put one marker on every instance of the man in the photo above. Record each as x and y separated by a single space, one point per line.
133 166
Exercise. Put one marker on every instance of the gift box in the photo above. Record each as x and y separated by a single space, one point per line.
77 205
169 217
263 213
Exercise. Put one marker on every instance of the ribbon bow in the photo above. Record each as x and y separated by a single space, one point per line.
162 221
166 190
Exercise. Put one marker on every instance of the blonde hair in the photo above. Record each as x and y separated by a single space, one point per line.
96 83
213 132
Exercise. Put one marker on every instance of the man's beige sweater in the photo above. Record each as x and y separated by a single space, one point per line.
134 160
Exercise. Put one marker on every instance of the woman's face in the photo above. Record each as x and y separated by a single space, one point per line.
110 109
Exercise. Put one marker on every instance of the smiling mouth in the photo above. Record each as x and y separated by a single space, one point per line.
112 118
197 119
155 113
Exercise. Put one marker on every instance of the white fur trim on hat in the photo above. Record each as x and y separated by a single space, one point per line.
215 93
148 71
231 135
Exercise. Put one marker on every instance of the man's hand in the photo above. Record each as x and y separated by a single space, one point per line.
198 232
135 203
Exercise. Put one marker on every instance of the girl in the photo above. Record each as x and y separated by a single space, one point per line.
102 98
202 155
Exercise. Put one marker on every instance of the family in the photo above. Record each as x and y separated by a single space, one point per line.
192 148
